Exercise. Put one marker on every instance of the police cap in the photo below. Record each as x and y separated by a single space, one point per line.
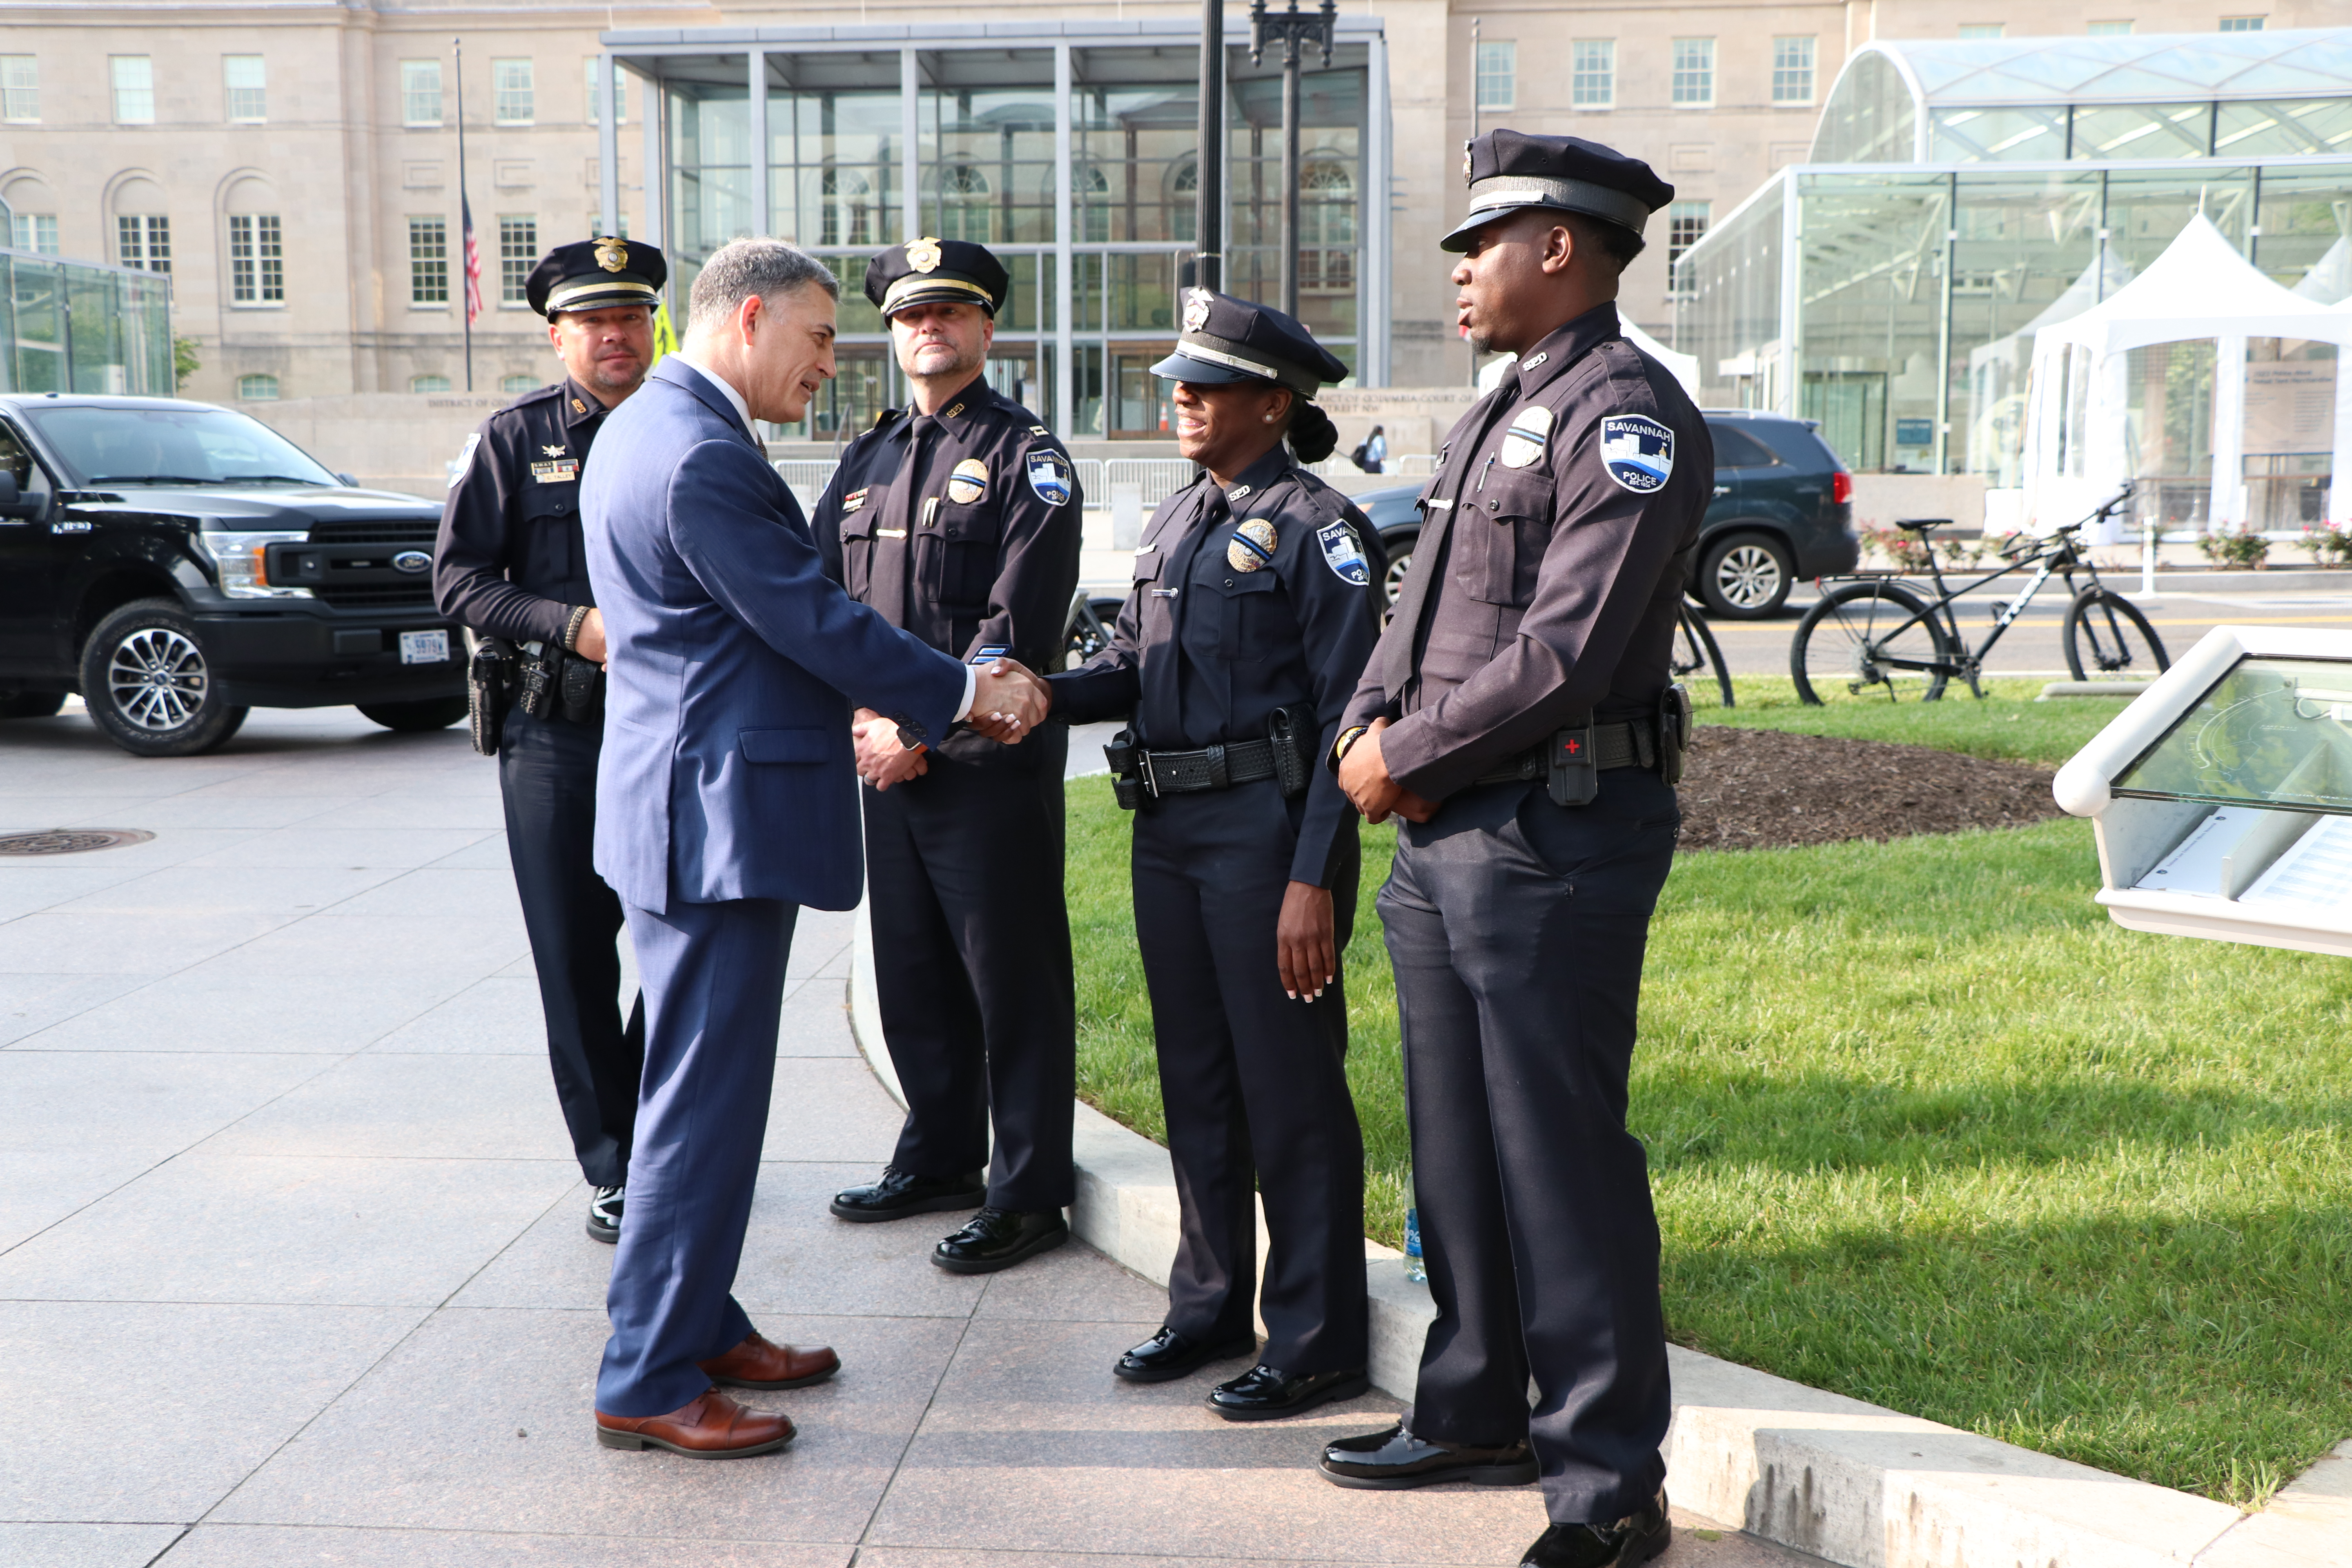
1506 169
597 275
1227 340
927 271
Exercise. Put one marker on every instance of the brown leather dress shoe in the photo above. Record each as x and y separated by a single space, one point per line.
758 1364
710 1427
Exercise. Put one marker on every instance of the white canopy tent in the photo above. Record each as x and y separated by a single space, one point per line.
2201 288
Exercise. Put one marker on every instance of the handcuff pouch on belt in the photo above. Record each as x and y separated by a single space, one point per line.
489 684
551 682
1297 739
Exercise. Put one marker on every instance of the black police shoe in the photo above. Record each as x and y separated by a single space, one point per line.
999 1238
1636 1538
1268 1394
604 1215
902 1193
1394 1459
1169 1354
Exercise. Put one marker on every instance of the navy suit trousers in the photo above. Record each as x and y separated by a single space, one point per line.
1517 929
714 987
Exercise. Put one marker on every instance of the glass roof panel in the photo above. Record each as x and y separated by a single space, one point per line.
2312 62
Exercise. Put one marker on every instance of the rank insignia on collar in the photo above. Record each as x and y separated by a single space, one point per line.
1638 451
578 406
551 451
1253 545
969 483
952 412
1240 492
923 255
1537 363
1530 432
612 255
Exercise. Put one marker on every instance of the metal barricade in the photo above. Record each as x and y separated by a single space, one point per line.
1157 478
808 477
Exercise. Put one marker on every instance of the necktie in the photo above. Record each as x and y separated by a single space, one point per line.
1402 654
894 536
1161 696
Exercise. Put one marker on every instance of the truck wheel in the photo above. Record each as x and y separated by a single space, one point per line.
30 704
147 684
410 718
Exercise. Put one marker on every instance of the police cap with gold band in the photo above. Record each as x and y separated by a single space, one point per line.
927 272
1506 169
596 275
1227 340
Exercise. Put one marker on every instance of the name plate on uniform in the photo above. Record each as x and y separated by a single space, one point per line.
424 647
557 472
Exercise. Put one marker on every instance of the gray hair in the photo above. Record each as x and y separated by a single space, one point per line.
742 268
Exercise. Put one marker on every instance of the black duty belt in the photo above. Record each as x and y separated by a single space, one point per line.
1625 744
1211 767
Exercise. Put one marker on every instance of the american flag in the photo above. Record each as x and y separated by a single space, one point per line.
473 262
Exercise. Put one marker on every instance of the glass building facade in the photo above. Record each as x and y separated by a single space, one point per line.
74 326
1961 195
1070 149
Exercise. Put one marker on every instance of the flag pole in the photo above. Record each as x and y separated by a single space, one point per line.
464 210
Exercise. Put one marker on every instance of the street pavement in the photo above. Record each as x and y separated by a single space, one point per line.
291 1265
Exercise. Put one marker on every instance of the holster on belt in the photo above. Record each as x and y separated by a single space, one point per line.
490 681
551 681
1126 760
1297 739
1674 730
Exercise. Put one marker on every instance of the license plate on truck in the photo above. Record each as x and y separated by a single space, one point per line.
424 647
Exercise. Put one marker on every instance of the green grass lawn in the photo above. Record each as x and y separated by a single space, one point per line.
1928 1129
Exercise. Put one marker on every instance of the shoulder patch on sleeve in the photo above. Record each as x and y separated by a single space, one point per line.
1342 553
1049 475
465 458
1637 450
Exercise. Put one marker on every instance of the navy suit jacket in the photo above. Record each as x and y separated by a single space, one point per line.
728 769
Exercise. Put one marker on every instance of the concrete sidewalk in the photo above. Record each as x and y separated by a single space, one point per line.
292 1268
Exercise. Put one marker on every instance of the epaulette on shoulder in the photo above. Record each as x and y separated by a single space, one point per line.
552 390
886 417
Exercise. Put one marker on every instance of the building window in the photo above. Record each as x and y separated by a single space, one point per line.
428 384
134 90
1981 29
596 227
966 211
1792 70
2241 24
1327 223
144 243
257 388
518 254
1685 221
1498 74
1592 75
514 384
849 208
35 232
428 262
1694 83
249 96
510 91
257 259
20 88
2109 29
620 93
420 92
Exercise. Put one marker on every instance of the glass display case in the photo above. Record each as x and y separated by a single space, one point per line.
2222 796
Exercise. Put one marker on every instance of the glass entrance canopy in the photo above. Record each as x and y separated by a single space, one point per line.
1071 149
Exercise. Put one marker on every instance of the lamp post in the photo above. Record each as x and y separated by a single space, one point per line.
1293 27
1209 175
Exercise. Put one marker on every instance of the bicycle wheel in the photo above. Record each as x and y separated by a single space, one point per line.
2108 638
1696 650
1866 635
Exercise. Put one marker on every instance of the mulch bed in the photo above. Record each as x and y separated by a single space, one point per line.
1751 789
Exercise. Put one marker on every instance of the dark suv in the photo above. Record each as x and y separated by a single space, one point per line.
177 563
1782 510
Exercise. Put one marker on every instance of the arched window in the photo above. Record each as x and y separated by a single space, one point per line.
257 244
514 384
32 215
1327 228
1184 200
846 202
428 384
964 209
1093 190
142 234
257 388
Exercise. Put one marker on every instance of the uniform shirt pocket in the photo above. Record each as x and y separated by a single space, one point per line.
803 745
968 538
1499 540
1250 615
858 551
550 516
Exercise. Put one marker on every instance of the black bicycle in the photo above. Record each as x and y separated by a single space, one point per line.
1696 650
1877 631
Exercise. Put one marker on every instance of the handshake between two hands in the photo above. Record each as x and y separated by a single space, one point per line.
1007 702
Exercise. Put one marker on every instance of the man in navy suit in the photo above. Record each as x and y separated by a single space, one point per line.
727 798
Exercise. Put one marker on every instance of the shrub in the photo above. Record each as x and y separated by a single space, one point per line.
2243 551
1906 551
2330 544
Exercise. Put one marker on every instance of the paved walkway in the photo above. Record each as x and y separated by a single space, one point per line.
292 1268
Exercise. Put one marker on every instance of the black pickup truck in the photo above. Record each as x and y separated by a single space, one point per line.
177 563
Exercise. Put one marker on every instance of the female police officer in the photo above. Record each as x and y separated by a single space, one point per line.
1251 618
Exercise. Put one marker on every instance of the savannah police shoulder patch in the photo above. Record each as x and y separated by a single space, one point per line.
1049 475
969 483
1530 432
1342 553
465 459
1637 450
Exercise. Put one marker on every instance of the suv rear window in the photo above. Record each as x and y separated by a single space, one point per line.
1736 449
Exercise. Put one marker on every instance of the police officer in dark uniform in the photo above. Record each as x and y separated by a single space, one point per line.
1251 616
1519 715
511 564
958 519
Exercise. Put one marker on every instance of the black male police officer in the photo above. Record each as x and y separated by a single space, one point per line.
958 519
1519 715
511 564
1251 616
